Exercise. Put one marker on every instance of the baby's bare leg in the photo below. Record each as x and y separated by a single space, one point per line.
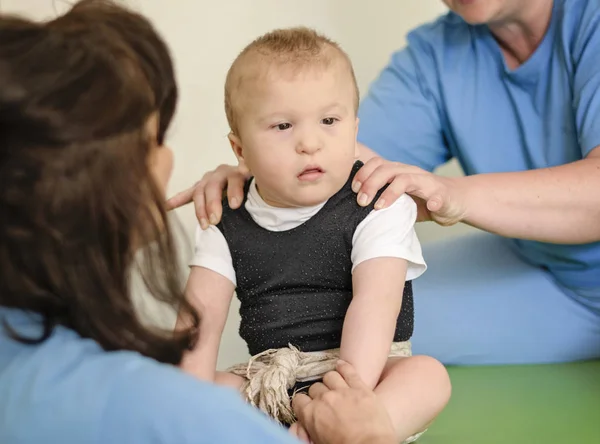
229 380
414 390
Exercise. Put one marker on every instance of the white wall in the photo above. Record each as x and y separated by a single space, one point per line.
206 35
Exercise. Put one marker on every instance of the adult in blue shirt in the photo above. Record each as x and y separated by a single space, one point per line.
85 102
511 89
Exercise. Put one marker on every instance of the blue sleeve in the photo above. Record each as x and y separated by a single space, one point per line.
400 117
161 405
586 83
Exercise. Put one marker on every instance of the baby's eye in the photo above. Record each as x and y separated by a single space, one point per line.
329 120
283 126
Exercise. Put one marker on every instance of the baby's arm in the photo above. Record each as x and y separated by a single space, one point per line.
209 289
371 318
385 253
210 293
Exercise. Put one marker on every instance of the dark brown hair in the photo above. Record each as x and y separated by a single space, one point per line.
76 192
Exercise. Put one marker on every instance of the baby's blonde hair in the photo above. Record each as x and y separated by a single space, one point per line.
297 47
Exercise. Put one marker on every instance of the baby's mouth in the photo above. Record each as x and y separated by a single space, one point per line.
310 173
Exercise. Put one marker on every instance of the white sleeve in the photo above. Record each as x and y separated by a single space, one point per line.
390 233
211 251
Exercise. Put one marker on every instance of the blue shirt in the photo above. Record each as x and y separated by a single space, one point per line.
450 94
69 391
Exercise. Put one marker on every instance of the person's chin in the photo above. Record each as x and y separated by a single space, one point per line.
474 14
475 18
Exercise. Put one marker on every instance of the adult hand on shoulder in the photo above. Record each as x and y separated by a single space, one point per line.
343 410
438 199
207 193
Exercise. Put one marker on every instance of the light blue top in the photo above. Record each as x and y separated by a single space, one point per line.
450 94
69 391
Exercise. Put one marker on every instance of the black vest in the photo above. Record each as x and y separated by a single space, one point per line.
296 285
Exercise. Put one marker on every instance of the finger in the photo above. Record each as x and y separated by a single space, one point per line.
180 199
383 175
200 205
317 390
365 171
334 381
422 186
213 194
434 203
397 188
300 405
303 435
235 190
350 375
294 430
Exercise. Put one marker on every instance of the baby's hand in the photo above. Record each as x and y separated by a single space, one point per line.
300 432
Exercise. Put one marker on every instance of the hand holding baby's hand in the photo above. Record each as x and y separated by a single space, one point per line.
343 410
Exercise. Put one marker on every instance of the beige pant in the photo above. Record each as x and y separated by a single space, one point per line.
270 374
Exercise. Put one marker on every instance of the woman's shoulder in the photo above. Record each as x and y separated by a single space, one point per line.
75 392
170 406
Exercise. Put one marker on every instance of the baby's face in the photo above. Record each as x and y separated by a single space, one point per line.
297 134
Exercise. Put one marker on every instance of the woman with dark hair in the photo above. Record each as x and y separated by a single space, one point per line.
84 106
85 102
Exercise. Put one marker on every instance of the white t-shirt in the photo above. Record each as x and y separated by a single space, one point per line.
383 233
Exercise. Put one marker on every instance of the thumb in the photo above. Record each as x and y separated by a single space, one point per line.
435 203
350 375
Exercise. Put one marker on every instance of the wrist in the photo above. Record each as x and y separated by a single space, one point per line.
458 199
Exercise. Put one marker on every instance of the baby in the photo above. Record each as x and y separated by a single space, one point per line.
319 277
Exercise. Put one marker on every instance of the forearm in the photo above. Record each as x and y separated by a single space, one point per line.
202 360
558 205
367 336
210 294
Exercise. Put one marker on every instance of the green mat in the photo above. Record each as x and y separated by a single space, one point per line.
542 404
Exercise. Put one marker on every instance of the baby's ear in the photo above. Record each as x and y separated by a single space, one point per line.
236 146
